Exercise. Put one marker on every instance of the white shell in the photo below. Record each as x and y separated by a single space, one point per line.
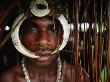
15 37
39 12
66 34
17 43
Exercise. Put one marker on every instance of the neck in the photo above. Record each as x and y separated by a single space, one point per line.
28 74
46 70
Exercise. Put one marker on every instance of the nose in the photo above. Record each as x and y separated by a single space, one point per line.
43 38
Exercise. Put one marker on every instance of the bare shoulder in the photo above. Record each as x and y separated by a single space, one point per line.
75 73
14 74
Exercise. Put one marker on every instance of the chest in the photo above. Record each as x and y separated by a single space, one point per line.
41 78
67 78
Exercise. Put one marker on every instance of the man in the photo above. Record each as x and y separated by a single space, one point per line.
41 37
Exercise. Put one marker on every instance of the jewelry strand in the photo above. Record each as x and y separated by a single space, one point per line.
26 73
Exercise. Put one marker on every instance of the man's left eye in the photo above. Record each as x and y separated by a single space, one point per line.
52 31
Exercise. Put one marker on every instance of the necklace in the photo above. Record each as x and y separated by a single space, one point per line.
26 73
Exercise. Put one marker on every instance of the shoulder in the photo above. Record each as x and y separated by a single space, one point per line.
75 73
12 75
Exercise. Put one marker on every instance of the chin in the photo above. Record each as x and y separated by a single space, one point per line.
43 63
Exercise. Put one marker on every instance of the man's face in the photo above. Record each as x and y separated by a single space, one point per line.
42 36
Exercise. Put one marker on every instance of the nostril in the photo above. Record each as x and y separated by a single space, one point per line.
42 42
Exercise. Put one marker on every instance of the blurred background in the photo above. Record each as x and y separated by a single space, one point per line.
89 42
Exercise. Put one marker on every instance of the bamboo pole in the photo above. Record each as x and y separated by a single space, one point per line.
108 54
75 31
5 14
109 32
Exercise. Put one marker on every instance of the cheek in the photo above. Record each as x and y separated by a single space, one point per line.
28 40
55 40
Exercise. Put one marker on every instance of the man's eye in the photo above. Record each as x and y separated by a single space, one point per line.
52 30
32 29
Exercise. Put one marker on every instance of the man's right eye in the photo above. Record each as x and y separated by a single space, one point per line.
34 29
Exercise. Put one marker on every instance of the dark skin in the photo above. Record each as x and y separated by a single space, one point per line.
42 36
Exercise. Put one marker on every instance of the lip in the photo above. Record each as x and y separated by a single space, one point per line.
43 58
43 52
43 55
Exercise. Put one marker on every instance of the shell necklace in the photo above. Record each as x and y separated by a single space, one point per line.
26 73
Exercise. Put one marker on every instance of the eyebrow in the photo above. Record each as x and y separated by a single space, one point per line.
30 23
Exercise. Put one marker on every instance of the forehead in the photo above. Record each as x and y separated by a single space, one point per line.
42 21
46 21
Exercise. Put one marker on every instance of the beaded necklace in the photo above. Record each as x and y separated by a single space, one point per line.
26 73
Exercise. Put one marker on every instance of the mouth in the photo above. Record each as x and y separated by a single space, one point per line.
44 55
43 50
43 58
